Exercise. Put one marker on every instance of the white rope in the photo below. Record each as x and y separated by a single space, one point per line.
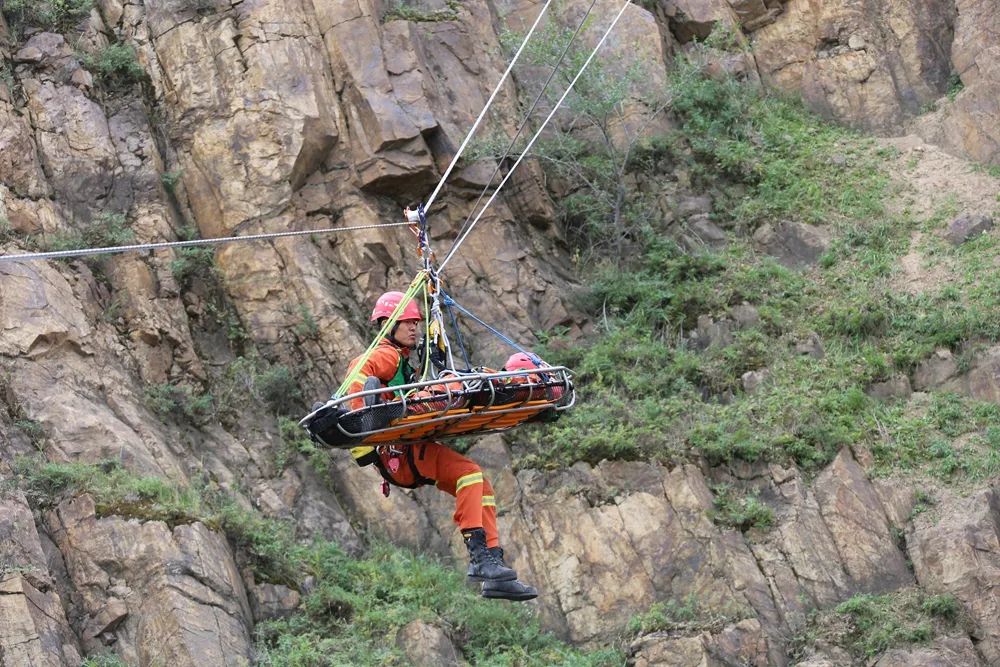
82 252
482 114
527 148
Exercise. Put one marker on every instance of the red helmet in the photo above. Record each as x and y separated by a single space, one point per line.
519 361
387 303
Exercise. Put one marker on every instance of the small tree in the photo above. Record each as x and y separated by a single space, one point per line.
591 142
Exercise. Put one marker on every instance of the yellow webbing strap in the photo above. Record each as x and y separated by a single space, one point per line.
352 377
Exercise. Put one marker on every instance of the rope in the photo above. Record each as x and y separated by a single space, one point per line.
527 116
458 332
83 252
448 301
461 239
482 114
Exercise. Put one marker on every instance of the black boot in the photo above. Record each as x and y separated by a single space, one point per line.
372 383
485 564
509 590
497 554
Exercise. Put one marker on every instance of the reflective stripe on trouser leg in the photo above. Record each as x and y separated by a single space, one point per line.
490 515
469 500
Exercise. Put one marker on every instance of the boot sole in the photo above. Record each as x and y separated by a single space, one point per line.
516 597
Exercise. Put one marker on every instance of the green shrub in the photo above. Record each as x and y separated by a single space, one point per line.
307 327
740 512
253 378
31 428
7 232
294 441
115 67
170 401
106 229
194 265
170 179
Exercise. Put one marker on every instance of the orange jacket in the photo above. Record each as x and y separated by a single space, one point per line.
383 364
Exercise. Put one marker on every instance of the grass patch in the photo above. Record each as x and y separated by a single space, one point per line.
868 625
949 437
647 390
360 603
684 616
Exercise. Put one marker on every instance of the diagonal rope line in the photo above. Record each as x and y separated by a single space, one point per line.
461 239
468 137
83 252
493 330
527 117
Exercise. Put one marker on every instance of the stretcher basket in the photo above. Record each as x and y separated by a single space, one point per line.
487 402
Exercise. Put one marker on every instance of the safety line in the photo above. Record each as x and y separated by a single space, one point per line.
454 248
527 117
448 301
482 114
83 252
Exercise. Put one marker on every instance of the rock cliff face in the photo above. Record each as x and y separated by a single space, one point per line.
266 116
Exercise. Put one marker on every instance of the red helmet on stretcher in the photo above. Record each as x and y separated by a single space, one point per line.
520 361
388 302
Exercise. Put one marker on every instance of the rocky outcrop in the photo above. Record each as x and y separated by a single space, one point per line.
159 594
945 651
968 125
872 65
958 552
741 643
605 543
33 625
426 645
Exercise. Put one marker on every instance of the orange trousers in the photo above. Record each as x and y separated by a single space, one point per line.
475 505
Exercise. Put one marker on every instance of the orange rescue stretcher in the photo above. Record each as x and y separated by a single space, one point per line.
488 401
